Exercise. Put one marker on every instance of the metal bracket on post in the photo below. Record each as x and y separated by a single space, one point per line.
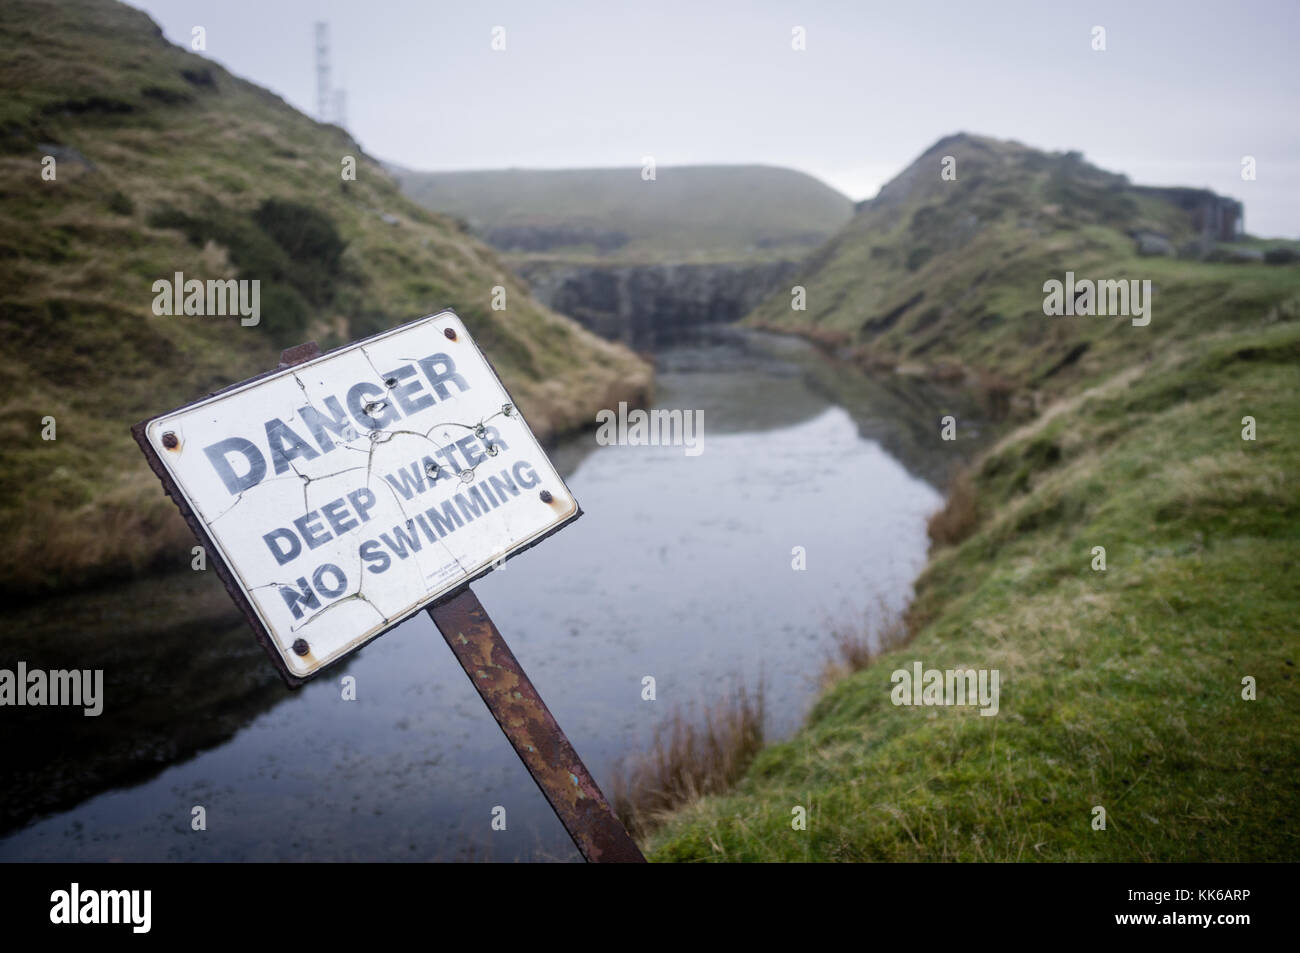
532 730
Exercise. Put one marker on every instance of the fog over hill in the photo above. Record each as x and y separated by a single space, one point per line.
684 214
637 258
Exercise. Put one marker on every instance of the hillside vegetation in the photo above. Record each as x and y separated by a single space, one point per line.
940 275
1121 688
695 214
166 163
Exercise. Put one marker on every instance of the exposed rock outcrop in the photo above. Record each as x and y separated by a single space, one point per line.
645 305
1216 217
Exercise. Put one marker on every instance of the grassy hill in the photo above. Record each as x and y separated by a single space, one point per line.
942 275
1121 688
165 163
686 214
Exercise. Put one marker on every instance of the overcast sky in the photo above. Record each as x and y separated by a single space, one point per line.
1181 93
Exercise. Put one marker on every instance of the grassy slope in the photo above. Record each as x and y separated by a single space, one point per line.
1119 688
179 156
932 272
688 213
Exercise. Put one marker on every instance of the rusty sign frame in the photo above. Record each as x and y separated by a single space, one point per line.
291 358
475 642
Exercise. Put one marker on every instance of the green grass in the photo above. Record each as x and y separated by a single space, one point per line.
168 163
1120 689
934 272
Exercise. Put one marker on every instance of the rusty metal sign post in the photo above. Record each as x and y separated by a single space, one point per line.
359 441
527 722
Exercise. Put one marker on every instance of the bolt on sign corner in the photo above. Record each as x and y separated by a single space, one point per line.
342 495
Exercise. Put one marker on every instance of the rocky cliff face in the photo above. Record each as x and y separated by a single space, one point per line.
646 305
1217 218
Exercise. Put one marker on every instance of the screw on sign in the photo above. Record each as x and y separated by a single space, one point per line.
342 493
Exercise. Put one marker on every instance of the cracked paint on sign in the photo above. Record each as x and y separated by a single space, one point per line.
348 492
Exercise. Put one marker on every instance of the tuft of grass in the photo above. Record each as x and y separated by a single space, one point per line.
957 518
859 646
690 757
995 393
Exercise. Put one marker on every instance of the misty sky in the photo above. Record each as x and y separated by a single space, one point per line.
1183 91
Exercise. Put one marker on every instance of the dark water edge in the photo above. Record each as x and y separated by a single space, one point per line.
174 645
183 675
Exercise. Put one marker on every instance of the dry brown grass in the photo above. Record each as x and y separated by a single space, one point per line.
869 359
858 646
58 547
995 392
947 371
689 758
959 515
828 340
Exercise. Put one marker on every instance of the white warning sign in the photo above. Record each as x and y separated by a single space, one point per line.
345 493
